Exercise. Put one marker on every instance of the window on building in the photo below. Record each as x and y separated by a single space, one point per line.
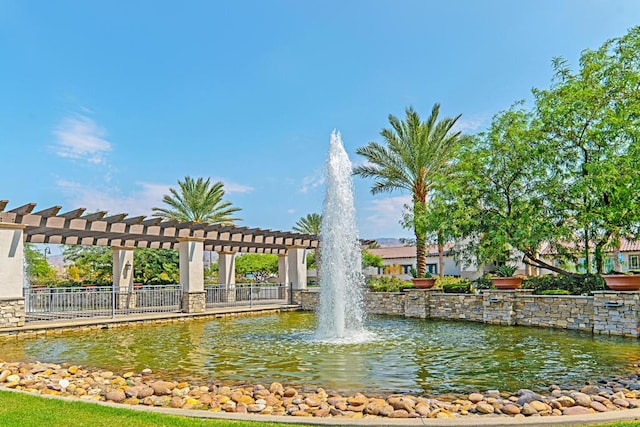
634 262
406 268
432 268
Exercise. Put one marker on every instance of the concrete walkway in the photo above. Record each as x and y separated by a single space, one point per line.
468 421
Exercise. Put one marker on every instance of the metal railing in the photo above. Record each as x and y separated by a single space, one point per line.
86 302
63 303
243 294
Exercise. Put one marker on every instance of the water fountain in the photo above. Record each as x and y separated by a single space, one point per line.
341 313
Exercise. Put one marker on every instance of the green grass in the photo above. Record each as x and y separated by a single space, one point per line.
24 410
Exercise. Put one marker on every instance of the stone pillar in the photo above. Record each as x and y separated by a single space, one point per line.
500 306
227 273
192 274
616 313
297 267
417 303
12 311
283 269
123 276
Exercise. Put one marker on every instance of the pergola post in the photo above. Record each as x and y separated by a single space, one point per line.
297 267
12 312
192 274
227 273
123 276
283 269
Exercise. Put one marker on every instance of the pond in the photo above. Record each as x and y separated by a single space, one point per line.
405 356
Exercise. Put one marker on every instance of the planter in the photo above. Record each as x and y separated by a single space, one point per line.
623 282
424 282
507 282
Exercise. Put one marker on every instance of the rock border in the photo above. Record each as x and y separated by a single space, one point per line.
144 389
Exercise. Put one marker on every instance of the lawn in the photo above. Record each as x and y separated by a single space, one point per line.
24 410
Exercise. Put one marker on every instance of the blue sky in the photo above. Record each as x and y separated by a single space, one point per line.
105 105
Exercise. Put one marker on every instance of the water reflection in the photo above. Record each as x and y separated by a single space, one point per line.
407 355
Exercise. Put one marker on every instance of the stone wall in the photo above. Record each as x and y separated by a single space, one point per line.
616 313
556 311
607 312
194 302
456 306
12 312
392 303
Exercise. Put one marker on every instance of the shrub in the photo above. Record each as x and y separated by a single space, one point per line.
387 284
481 283
582 285
555 292
505 271
460 287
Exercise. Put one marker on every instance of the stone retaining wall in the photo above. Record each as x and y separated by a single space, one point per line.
12 313
606 312
385 303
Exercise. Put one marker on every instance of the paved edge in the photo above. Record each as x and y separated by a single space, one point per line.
496 421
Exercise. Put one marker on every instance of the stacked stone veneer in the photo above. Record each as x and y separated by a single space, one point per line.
194 302
607 312
12 312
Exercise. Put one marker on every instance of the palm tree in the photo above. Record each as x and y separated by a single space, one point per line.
415 153
197 201
309 224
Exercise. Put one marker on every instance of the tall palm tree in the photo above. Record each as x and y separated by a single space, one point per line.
415 153
198 201
309 224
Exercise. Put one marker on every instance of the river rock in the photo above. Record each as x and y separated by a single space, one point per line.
290 392
115 395
582 399
576 410
623 403
565 401
510 409
403 403
598 406
161 388
399 413
358 399
485 408
476 397
590 389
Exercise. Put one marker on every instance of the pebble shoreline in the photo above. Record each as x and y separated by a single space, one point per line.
144 388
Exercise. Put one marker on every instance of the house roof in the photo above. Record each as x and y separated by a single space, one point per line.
625 246
394 252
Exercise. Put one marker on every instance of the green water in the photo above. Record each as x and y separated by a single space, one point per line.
406 355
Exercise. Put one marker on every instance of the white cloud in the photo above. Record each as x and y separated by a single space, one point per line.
291 211
470 124
313 181
233 187
79 137
384 215
139 202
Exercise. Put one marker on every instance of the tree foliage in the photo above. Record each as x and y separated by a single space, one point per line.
310 224
38 269
260 266
371 260
415 154
198 201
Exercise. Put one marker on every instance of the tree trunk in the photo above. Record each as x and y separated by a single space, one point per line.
587 263
440 255
616 259
421 255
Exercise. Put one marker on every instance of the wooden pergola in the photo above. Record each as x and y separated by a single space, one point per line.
76 227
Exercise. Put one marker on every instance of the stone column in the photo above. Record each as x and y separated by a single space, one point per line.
123 276
283 269
616 313
417 303
297 267
192 274
12 312
227 273
500 306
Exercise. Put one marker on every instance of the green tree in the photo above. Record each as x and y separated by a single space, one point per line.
39 272
590 119
310 224
371 260
198 201
260 266
498 194
156 266
415 154
94 263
